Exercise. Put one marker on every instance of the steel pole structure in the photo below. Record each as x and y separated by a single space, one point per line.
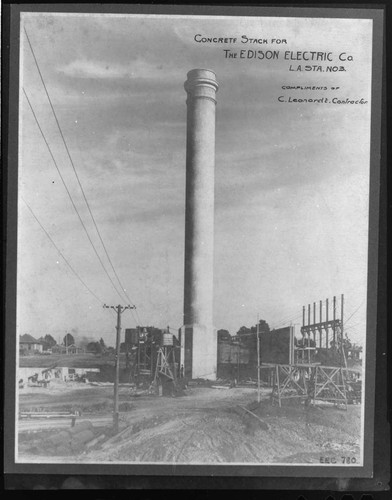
326 318
341 312
321 320
198 336
291 345
334 319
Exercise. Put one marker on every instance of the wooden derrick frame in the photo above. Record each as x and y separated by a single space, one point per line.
329 385
163 362
309 382
289 378
163 367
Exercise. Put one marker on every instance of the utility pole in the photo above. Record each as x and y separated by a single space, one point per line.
334 324
342 330
258 361
119 309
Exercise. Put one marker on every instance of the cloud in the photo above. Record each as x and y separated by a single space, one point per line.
138 68
82 68
283 173
93 69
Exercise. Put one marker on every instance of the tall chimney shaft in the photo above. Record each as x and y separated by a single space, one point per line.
198 336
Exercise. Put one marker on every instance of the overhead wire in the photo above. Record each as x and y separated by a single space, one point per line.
355 312
286 317
68 192
286 320
133 315
285 323
352 326
62 255
74 169
294 314
60 252
137 315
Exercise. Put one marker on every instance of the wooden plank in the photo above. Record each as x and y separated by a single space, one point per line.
264 425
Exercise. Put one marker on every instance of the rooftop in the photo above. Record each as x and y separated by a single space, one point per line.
28 339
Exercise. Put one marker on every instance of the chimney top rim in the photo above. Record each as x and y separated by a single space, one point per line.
196 70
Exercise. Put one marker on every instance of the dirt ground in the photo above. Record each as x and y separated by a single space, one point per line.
205 426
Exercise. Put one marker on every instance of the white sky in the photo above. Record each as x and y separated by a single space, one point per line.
292 180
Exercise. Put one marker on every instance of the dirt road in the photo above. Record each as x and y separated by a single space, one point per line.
204 427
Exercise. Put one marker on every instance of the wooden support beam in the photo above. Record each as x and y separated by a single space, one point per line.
264 425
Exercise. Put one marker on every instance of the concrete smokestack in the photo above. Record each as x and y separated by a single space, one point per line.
198 336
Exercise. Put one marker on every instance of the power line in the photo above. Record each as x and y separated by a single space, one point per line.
137 321
295 315
356 310
137 314
353 326
290 318
74 168
60 252
69 194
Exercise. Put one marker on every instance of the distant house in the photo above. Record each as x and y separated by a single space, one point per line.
71 349
29 343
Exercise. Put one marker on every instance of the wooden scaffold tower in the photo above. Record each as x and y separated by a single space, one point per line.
329 384
166 367
290 381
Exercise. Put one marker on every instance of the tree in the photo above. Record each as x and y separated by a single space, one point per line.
94 347
49 340
102 343
223 335
243 330
68 340
263 326
248 338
